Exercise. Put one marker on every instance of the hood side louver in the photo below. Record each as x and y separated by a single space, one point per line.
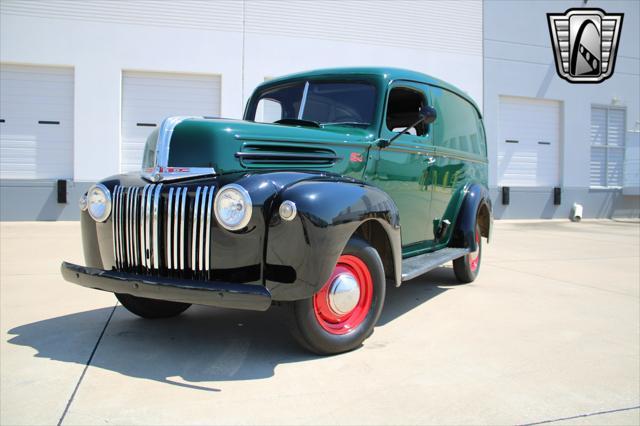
276 155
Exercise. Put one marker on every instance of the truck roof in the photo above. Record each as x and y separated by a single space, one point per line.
385 73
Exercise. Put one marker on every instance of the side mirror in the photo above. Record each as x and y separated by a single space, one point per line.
428 114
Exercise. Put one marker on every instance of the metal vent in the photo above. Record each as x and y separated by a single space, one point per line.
282 155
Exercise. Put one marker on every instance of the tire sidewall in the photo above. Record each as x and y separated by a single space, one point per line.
320 340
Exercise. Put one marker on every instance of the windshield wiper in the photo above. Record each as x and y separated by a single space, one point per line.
348 123
297 122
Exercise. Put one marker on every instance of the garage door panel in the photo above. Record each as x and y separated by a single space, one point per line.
529 142
148 98
29 149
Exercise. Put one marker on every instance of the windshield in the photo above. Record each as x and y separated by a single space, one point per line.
347 103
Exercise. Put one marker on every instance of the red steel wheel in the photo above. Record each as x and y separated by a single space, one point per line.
345 300
474 257
467 267
344 310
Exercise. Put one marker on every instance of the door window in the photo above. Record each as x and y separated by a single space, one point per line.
403 110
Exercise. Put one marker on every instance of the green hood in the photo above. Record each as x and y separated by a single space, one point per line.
235 145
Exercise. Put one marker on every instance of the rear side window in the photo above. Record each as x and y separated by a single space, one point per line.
458 125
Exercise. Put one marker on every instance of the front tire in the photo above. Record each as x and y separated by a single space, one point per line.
343 313
467 267
151 308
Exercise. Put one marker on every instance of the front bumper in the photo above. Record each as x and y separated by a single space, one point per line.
211 293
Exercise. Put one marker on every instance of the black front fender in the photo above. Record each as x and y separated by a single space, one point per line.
301 254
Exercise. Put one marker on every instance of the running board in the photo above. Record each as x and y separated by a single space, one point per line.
418 265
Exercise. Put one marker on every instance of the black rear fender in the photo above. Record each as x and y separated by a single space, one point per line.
476 207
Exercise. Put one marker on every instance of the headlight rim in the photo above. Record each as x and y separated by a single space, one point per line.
108 202
83 202
248 207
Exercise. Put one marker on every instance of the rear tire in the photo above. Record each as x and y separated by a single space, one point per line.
467 267
315 322
151 308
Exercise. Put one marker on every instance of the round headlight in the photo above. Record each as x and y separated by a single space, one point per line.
233 207
99 202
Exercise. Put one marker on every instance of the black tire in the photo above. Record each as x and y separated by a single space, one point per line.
463 266
151 308
306 327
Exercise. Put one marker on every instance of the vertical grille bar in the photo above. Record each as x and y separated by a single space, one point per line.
169 234
141 218
134 227
114 221
120 221
147 226
130 224
194 227
201 233
127 215
183 235
123 227
156 223
207 238
176 225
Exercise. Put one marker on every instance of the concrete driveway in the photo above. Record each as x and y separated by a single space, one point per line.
550 332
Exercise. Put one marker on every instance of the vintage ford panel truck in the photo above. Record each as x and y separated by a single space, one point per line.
335 182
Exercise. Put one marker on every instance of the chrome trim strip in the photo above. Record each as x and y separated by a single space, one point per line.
164 137
158 173
201 234
156 223
161 170
147 225
194 227
207 240
183 235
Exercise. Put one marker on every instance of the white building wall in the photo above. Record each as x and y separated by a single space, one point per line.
519 62
242 41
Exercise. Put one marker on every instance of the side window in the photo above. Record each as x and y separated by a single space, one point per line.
402 110
457 126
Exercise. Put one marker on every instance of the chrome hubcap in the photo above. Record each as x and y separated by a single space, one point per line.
344 294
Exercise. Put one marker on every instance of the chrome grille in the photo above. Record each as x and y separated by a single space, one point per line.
162 231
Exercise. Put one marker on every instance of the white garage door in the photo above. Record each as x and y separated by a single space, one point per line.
36 122
528 142
148 98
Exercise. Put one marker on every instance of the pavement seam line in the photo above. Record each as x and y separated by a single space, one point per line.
617 410
565 282
86 367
